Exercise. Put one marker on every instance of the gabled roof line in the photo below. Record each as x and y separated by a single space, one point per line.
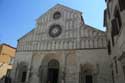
69 8
94 28
26 34
55 7
5 44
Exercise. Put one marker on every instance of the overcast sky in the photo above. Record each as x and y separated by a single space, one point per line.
17 17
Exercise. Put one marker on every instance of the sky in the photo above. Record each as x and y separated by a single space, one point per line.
17 17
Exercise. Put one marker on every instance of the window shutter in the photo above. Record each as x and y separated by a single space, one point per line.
118 18
105 18
122 4
113 43
109 48
114 27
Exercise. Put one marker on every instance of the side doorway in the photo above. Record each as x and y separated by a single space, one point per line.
53 71
86 74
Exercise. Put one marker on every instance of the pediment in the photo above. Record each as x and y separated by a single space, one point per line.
46 20
57 7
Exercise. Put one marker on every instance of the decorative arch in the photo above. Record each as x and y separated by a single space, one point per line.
53 64
53 71
87 68
49 61
86 73
21 72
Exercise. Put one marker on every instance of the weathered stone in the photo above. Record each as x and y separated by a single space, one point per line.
79 50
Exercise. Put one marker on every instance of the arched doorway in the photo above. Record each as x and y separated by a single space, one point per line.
53 71
86 73
21 72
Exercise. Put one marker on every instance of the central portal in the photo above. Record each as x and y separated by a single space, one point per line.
53 71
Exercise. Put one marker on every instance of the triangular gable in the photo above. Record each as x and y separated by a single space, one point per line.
59 6
51 9
26 35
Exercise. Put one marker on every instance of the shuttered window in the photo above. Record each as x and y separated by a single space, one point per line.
112 38
122 4
118 18
114 27
109 48
105 17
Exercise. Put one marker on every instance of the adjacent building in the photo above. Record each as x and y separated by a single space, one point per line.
62 49
7 55
114 21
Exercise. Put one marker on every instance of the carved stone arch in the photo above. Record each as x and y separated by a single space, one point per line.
53 64
47 67
87 68
87 71
21 71
43 69
53 71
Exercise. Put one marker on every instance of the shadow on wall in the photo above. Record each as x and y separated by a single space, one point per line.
3 69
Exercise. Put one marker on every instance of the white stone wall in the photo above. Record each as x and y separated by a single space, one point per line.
100 60
71 60
75 34
78 44
21 57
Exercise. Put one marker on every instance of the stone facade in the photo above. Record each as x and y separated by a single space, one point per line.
62 49
114 20
7 55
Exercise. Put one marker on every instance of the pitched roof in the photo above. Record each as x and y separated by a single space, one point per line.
4 44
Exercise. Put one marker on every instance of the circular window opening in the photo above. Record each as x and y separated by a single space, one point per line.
55 30
57 15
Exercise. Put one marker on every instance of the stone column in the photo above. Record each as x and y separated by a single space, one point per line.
29 69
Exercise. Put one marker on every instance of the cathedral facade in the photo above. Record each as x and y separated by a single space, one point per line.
62 49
